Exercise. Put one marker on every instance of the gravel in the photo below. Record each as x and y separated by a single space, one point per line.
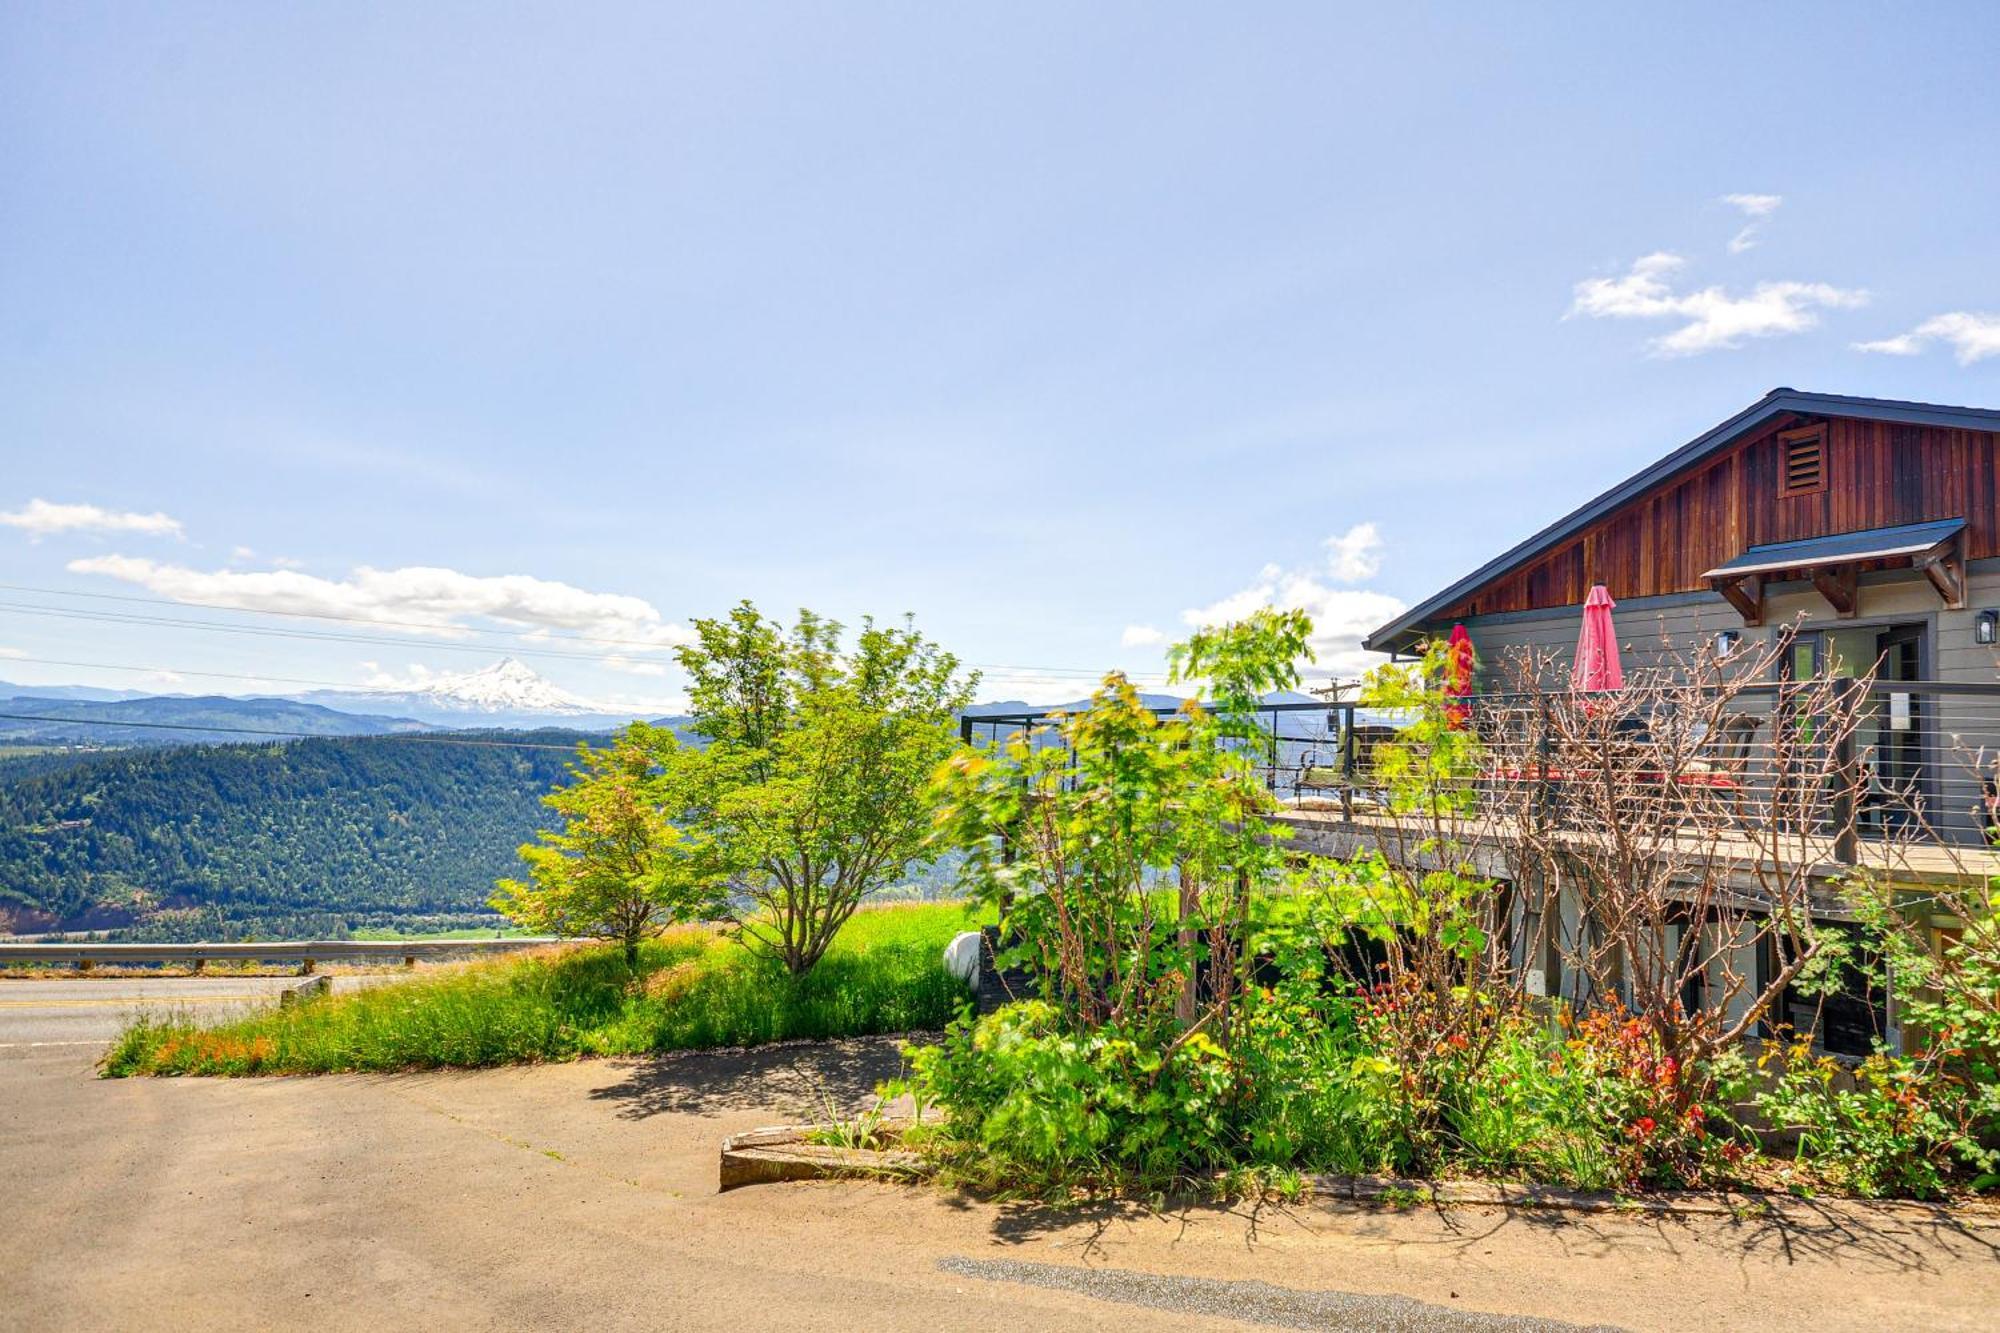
1252 1302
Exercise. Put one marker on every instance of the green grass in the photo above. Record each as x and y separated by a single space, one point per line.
692 989
494 932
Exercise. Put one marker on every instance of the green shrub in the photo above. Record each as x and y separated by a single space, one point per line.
1898 1127
1043 1106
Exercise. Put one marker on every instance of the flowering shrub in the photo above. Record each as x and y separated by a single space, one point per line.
1662 1124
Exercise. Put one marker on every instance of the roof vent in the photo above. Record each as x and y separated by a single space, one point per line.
1802 469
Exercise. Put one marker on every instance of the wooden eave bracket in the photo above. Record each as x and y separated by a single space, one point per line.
1944 566
1745 592
1840 585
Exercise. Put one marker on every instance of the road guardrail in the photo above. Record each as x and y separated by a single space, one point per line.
86 954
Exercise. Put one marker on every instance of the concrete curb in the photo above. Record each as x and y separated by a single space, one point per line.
1391 1192
786 1152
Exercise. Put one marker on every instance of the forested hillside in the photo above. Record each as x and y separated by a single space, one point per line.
365 825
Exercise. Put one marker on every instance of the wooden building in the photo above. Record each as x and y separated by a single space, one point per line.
1852 513
1871 528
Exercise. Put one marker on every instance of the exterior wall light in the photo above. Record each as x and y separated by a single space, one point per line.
1983 628
1727 642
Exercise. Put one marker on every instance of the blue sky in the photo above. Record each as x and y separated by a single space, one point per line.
1053 325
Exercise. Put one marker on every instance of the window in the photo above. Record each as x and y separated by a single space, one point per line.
1802 462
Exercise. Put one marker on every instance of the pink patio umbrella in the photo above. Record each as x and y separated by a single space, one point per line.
1458 669
1596 669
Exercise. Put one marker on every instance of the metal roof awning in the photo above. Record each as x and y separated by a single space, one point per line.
1833 563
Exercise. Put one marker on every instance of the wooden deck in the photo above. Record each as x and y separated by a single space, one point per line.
1331 832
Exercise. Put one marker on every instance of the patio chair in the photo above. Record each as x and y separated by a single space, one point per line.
1730 751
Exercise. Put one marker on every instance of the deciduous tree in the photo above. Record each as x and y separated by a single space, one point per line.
820 758
624 864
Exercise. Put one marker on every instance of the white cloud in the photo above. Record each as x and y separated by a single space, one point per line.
1714 318
634 666
1342 617
1973 337
1756 207
5 651
41 518
1355 554
1041 689
1142 636
1903 344
417 599
415 679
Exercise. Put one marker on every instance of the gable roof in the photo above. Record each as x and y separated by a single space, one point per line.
1773 404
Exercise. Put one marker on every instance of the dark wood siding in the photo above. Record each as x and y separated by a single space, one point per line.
1878 474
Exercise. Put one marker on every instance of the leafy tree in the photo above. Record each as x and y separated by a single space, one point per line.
1077 827
820 759
622 866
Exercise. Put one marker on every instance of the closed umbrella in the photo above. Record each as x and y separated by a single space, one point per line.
1458 668
1596 668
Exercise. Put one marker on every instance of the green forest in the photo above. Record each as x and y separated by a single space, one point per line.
360 829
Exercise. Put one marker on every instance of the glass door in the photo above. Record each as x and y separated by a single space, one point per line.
1898 779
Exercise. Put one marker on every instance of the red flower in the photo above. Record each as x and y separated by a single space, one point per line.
1643 1127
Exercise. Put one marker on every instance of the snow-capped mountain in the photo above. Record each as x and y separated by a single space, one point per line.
508 686
507 694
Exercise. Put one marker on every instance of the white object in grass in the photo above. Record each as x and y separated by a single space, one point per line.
961 957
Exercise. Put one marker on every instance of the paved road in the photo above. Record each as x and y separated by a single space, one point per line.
583 1195
86 1010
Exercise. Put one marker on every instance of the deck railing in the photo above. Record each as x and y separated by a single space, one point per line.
1917 762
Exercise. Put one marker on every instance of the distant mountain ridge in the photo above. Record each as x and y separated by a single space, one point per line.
179 720
91 692
507 694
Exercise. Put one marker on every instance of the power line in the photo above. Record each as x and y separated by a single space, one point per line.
347 686
426 738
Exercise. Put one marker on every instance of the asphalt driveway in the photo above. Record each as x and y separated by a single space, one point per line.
584 1195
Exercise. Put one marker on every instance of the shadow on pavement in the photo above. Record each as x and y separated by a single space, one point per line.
792 1081
1895 1239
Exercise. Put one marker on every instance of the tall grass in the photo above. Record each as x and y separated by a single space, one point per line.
692 988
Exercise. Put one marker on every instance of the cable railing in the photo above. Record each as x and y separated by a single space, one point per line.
1862 761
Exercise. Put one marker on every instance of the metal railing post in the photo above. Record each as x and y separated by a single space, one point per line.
1847 773
1347 766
